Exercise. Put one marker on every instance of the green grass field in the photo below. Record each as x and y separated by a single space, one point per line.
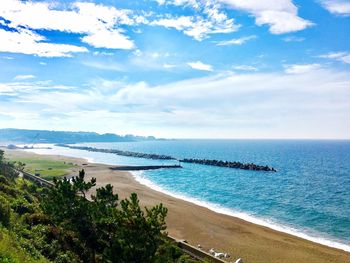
47 168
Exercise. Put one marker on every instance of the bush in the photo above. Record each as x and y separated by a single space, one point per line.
8 190
5 259
168 252
3 180
11 251
21 206
5 212
37 218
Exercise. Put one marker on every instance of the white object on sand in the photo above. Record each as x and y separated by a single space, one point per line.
239 260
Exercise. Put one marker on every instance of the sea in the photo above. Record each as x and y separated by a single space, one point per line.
308 196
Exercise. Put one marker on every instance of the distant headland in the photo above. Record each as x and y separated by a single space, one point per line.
45 136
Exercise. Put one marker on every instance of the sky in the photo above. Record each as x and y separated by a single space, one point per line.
177 68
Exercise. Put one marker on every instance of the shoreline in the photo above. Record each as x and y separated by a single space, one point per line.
200 223
243 216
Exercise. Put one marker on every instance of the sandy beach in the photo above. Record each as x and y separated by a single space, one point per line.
199 225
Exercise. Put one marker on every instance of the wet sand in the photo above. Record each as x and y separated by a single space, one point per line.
199 225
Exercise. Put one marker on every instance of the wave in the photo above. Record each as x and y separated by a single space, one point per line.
269 223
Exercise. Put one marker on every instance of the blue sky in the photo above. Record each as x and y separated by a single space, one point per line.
177 68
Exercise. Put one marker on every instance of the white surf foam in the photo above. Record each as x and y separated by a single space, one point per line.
139 177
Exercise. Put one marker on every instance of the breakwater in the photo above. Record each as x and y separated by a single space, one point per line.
219 163
143 167
236 165
119 152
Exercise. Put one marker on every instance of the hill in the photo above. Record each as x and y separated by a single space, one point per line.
45 136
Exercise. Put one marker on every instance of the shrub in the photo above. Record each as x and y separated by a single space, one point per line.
3 180
5 212
21 206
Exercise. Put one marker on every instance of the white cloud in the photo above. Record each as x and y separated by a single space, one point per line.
4 89
27 42
236 41
179 23
152 60
337 7
97 23
301 68
200 66
105 65
169 66
310 105
23 77
208 19
196 26
280 15
293 39
245 68
160 2
102 53
340 56
108 39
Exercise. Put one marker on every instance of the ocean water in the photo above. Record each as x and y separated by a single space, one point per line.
309 196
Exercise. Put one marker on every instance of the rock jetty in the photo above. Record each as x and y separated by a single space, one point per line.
236 165
119 152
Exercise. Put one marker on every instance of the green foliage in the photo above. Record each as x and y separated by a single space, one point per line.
7 168
65 224
125 234
5 212
11 252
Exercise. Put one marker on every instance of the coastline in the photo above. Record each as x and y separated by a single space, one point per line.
199 224
244 216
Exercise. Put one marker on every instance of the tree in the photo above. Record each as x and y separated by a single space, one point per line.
104 231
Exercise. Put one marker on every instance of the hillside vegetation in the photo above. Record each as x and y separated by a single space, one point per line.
61 225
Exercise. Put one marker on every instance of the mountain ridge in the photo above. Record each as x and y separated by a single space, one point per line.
51 136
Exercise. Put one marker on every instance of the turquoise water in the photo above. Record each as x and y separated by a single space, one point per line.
309 196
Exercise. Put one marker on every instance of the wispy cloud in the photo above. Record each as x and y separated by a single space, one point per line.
105 65
337 7
340 56
236 41
301 68
169 66
280 15
245 68
293 39
197 27
23 77
208 19
200 66
8 58
247 108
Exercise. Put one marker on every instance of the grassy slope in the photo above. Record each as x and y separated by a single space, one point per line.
11 252
47 168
